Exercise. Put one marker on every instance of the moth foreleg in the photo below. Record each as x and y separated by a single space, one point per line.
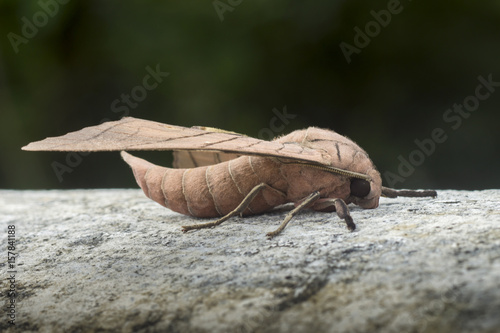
307 201
340 207
238 210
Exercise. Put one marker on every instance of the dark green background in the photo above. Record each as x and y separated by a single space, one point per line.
231 73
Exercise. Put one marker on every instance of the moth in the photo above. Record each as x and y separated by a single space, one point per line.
221 174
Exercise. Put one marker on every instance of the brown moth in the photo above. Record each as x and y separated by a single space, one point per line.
222 174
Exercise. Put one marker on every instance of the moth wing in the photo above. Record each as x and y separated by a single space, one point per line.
184 159
137 134
192 159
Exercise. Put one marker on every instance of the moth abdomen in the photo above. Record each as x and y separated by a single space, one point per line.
152 180
208 191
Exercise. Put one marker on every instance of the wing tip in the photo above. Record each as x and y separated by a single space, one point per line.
43 145
30 147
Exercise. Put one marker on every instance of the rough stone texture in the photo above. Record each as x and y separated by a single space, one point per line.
112 260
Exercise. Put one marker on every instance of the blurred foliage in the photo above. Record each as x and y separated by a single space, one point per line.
232 73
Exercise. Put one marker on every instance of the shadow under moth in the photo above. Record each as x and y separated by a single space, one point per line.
221 174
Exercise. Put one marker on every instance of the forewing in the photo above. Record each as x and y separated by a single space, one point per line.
192 159
184 159
138 134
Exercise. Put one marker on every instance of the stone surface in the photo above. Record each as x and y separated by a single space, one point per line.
112 260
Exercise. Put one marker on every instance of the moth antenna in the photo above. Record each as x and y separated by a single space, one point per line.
392 193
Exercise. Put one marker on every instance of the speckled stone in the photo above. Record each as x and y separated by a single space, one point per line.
113 260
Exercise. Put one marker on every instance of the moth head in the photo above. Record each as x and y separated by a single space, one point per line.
366 192
360 188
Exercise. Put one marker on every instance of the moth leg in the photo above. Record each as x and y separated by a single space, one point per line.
340 207
307 201
238 210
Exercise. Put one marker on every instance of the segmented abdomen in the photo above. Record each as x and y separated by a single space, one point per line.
211 191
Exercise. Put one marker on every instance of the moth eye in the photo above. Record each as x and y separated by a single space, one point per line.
360 187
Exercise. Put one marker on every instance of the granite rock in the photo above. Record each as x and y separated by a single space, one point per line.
113 260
